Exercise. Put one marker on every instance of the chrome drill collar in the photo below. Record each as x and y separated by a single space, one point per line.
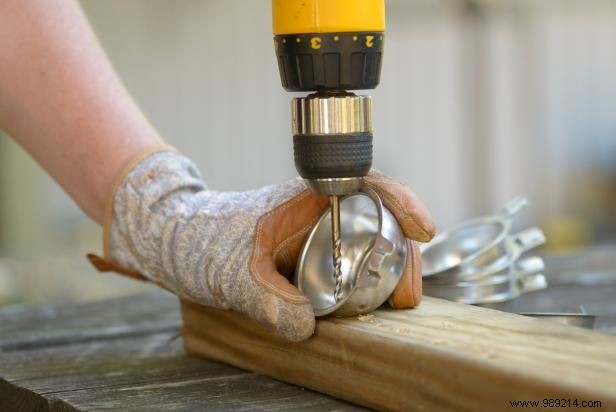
337 186
332 114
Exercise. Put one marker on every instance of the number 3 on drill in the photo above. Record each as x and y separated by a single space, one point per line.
315 43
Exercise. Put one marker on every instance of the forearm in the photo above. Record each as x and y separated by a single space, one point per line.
62 102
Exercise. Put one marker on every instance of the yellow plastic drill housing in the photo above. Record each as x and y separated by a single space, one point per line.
328 16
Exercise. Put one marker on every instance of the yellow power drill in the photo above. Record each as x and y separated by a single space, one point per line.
331 47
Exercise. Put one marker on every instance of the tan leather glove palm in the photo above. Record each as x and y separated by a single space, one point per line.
228 250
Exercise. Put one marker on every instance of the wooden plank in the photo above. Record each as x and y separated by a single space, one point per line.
22 327
245 392
442 356
83 365
138 373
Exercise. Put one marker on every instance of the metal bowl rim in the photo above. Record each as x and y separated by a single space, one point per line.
505 223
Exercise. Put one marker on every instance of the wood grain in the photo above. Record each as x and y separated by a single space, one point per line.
442 356
25 327
125 354
145 373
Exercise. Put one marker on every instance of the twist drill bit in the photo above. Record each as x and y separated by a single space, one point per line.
337 246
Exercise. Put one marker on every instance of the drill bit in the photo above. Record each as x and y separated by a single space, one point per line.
335 209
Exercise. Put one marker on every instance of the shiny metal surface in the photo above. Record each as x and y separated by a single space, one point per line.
337 245
521 277
374 252
331 114
478 248
492 259
335 186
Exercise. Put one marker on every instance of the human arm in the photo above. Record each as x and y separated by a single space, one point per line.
61 100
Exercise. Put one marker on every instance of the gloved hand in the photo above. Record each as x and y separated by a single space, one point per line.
228 250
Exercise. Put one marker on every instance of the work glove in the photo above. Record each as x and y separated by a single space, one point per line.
230 250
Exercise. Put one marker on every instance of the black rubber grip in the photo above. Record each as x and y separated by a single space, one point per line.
333 156
332 61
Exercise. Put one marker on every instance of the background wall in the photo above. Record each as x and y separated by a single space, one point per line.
479 101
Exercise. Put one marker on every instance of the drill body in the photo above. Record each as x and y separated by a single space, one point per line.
329 48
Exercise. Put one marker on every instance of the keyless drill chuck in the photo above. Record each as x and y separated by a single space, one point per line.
332 141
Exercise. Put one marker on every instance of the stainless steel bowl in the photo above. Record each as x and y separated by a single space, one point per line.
374 253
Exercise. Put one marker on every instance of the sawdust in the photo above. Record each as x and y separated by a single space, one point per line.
366 318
